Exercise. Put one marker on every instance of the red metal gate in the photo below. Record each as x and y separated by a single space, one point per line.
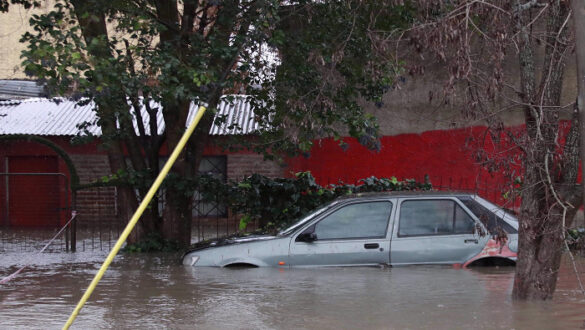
33 193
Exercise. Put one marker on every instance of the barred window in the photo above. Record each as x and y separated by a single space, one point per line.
215 166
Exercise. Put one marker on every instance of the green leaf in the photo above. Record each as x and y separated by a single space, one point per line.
244 222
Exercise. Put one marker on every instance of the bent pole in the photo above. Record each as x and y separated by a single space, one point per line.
159 179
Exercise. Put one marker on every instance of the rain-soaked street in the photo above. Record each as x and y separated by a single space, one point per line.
156 291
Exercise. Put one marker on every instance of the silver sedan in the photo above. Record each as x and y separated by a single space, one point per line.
379 229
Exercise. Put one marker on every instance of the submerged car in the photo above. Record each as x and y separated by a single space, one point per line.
379 229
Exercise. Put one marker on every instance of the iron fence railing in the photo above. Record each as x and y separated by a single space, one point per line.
99 224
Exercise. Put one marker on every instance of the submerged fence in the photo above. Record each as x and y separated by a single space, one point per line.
98 223
101 236
29 221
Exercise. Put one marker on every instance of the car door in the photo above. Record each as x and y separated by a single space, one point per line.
355 233
434 230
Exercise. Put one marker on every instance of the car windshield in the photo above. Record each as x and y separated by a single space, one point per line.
303 220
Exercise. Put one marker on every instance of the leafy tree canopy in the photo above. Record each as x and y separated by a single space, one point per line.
5 4
329 62
120 53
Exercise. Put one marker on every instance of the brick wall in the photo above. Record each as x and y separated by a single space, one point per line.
240 165
95 204
99 204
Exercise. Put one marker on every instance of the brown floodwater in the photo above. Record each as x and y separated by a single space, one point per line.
155 291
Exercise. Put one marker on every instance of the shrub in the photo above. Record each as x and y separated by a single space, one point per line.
277 202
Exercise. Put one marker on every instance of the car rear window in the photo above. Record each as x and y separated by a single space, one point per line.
491 221
433 217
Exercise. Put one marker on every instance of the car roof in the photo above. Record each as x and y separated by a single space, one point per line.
410 193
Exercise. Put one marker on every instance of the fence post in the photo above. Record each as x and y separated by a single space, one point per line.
67 234
74 222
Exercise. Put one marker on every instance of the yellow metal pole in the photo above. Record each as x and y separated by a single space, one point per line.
159 179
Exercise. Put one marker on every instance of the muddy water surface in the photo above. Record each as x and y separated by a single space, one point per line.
156 291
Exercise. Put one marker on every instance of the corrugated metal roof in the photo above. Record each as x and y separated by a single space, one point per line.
41 116
238 114
18 89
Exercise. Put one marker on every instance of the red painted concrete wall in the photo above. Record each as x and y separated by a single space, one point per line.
446 156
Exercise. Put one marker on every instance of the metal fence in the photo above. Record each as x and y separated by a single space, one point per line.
98 224
102 236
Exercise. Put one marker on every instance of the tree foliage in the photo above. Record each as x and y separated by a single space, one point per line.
5 4
162 55
330 62
276 202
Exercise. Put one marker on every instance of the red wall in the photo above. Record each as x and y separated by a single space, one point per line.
33 200
446 156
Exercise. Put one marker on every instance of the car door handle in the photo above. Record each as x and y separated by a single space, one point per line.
471 241
371 245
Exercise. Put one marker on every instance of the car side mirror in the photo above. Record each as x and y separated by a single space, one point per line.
308 237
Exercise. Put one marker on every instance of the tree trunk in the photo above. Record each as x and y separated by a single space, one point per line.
544 209
539 257
178 211
540 242
96 29
177 214
578 7
178 205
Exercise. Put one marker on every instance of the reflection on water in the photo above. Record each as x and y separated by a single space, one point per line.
156 291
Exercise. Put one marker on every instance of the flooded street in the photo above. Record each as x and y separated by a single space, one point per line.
156 291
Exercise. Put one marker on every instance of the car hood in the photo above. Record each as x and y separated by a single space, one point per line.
228 241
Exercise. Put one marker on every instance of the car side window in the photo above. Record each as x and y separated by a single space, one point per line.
362 220
433 217
464 224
